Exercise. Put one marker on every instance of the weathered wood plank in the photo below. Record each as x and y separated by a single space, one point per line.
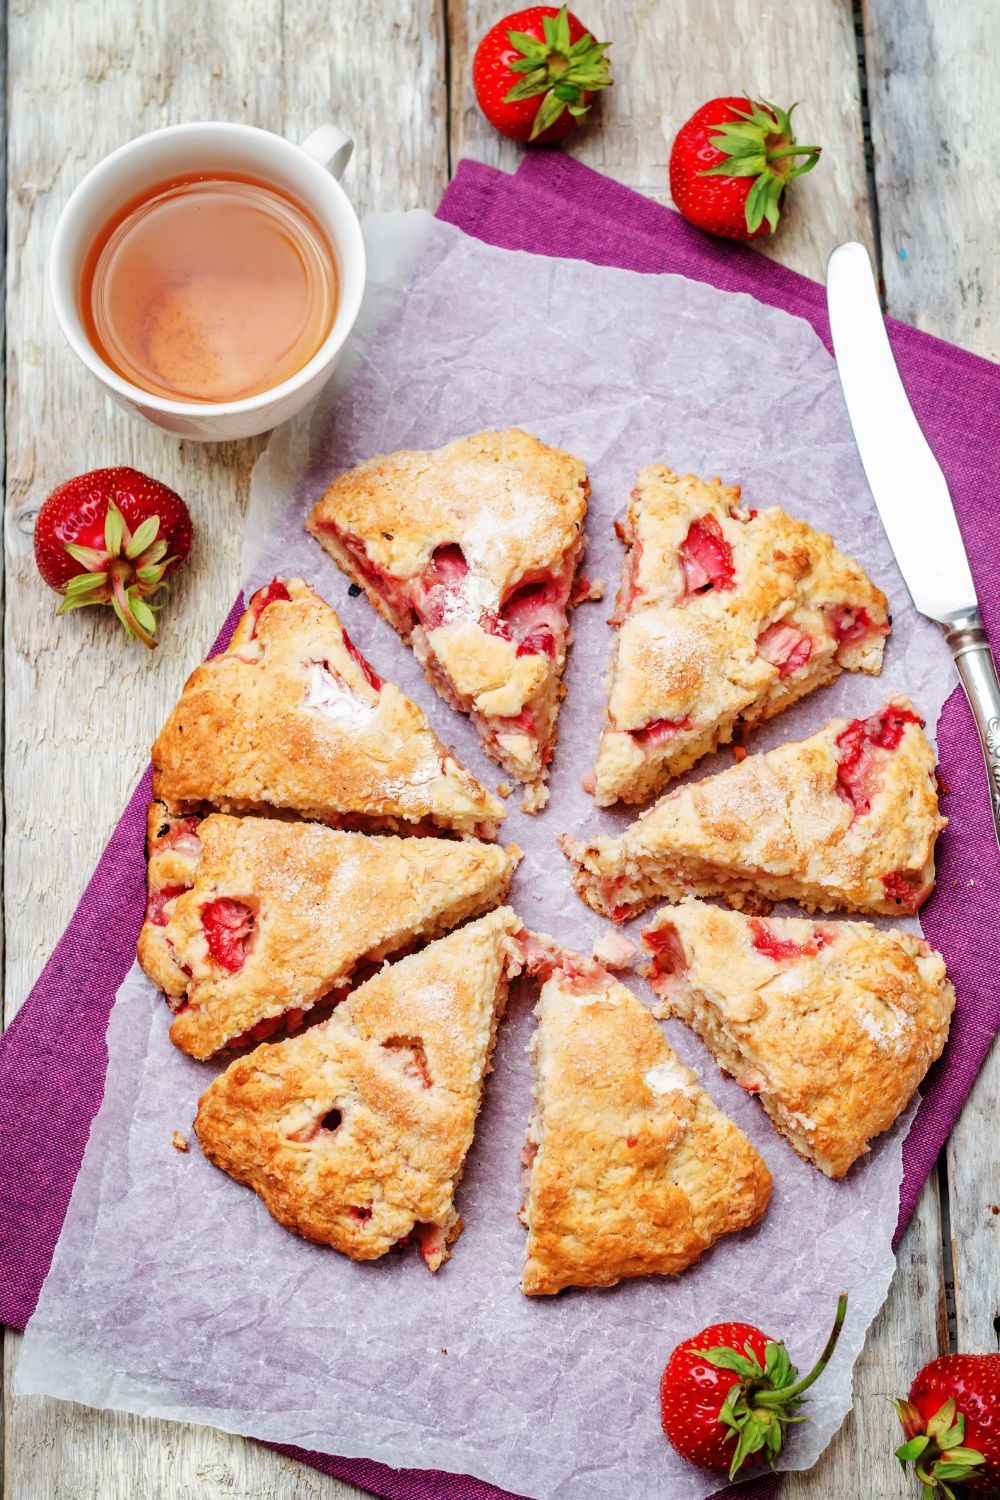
929 73
667 60
82 703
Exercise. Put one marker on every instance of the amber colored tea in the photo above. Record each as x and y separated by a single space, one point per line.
209 288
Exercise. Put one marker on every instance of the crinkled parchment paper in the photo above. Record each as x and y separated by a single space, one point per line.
172 1292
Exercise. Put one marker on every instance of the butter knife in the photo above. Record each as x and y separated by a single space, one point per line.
910 491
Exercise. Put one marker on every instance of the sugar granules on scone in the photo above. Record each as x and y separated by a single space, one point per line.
280 916
631 1170
725 616
845 820
831 1024
292 718
470 551
355 1133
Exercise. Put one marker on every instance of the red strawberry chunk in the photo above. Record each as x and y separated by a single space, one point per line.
535 616
441 589
668 953
780 949
855 772
785 646
371 676
707 558
269 594
158 898
227 926
291 1021
659 731
852 623
904 887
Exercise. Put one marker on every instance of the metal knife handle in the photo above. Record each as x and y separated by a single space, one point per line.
978 671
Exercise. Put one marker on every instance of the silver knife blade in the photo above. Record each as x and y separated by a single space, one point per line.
906 481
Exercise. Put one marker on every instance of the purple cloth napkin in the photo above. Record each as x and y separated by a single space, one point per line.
53 1056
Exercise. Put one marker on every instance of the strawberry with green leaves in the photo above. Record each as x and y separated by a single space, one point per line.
952 1425
729 1393
113 537
731 165
536 72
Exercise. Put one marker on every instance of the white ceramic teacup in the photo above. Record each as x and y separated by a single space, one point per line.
308 173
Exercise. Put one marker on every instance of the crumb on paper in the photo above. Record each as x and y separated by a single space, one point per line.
589 783
179 1141
535 797
504 789
538 895
587 589
444 1351
614 951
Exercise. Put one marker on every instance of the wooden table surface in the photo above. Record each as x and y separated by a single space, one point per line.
82 703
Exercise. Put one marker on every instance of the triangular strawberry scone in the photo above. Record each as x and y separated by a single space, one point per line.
632 1169
726 616
291 717
833 1025
280 915
846 820
355 1134
470 552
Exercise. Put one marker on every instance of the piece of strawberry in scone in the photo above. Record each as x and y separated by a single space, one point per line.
281 917
470 551
292 718
725 616
173 848
832 1025
845 820
355 1133
631 1170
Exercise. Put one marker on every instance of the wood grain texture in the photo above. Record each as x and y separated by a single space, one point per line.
931 77
667 59
83 703
930 74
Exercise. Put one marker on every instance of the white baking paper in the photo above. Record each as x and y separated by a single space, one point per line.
172 1292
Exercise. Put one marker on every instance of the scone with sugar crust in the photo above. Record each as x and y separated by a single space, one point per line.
832 1025
845 820
292 718
725 617
470 552
632 1170
280 915
355 1133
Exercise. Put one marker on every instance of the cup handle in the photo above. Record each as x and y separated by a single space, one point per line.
330 147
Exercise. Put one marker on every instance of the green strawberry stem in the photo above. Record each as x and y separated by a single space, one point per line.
780 1398
561 70
760 144
765 1398
937 1449
131 568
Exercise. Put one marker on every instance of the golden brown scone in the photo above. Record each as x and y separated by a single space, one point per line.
470 551
355 1133
633 1171
292 717
844 820
831 1025
726 616
279 914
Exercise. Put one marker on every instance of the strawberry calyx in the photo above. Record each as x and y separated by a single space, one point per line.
130 567
936 1449
765 1399
762 145
562 70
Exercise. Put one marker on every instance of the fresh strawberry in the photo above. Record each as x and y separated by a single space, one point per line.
731 164
729 1392
952 1425
536 72
126 531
